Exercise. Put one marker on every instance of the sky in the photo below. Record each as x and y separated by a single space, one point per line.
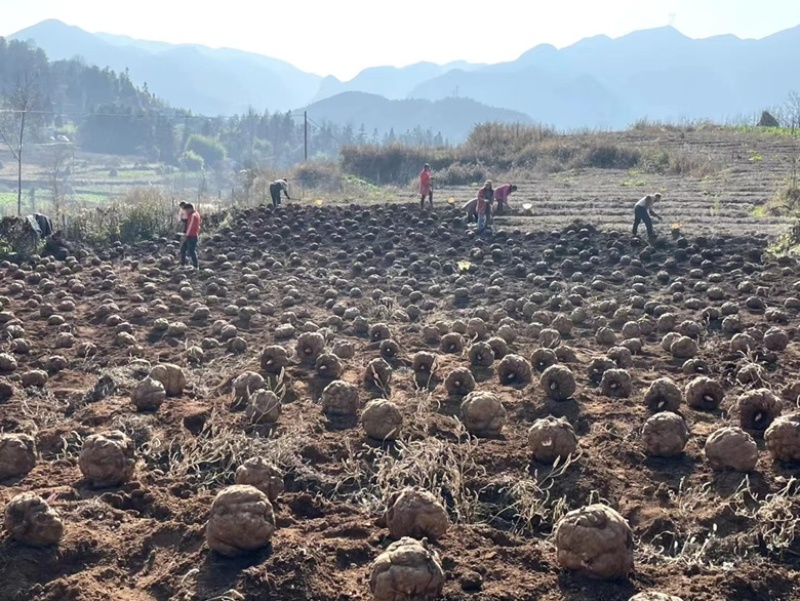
342 37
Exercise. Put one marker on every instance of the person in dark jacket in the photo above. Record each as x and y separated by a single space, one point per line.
41 224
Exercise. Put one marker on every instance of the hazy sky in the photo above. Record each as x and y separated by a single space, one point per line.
341 37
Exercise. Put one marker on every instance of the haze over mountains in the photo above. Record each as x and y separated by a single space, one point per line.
597 82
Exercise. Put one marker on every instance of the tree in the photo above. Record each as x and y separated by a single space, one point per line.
20 102
58 177
792 111
191 161
210 149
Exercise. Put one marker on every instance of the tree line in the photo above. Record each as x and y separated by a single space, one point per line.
103 111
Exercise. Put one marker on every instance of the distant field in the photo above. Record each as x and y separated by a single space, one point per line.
717 180
739 172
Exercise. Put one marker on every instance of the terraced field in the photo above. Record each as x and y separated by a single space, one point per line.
729 175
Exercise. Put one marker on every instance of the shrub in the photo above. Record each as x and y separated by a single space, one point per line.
18 239
143 214
325 176
209 149
461 174
392 164
604 155
191 161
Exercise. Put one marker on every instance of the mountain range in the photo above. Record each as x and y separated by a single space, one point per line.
658 74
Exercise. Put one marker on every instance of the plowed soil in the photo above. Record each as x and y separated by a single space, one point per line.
699 534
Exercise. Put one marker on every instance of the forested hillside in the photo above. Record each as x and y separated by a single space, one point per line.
65 87
103 111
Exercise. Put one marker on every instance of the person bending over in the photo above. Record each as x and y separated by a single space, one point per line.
275 189
484 205
643 211
501 195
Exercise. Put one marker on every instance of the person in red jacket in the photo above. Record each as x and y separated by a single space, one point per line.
501 194
425 186
189 242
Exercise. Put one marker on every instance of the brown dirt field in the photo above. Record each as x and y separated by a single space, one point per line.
699 534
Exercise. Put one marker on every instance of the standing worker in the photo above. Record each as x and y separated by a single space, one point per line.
484 205
642 211
425 186
189 242
275 189
501 195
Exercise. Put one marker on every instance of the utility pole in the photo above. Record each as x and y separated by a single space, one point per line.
305 135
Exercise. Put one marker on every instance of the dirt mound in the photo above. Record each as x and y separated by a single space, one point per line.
413 296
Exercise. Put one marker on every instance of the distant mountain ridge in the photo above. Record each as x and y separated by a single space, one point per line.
393 83
454 118
204 80
597 82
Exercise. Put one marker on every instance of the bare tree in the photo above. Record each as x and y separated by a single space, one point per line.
57 177
20 101
792 112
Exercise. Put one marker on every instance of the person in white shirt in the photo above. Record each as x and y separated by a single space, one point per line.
642 211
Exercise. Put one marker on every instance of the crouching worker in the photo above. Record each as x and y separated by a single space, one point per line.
469 208
41 224
642 211
501 195
275 189
189 242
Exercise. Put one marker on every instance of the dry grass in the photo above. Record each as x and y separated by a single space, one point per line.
143 214
370 476
771 521
534 505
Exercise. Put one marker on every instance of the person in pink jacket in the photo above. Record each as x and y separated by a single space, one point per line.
501 194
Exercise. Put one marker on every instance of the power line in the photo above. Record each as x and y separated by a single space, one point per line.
325 131
140 115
